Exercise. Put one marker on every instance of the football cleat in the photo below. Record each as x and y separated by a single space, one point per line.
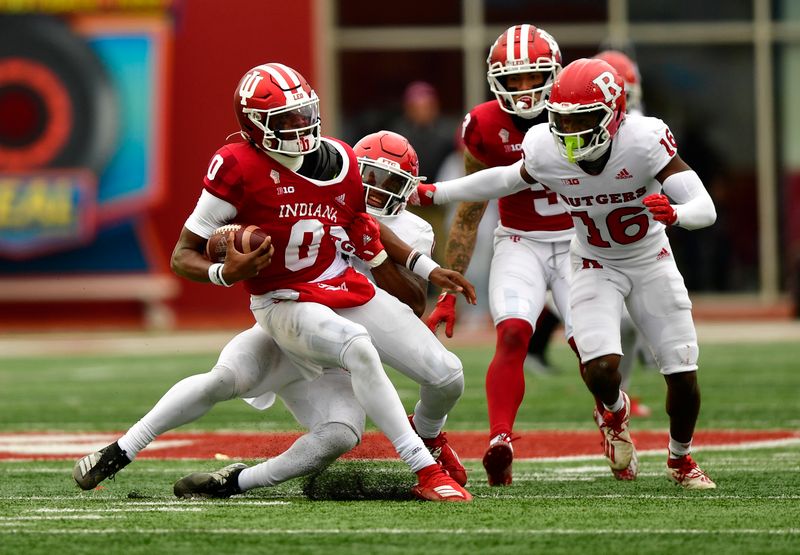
617 443
497 460
639 409
442 453
92 469
436 485
222 483
685 472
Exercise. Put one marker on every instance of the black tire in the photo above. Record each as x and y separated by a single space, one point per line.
49 41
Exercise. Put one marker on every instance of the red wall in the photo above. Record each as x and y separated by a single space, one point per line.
215 44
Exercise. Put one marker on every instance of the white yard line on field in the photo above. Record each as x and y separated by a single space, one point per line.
409 531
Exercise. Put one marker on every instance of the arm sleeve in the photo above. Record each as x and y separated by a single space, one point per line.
210 213
694 206
490 183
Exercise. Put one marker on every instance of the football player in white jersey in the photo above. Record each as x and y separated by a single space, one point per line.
633 344
253 367
610 170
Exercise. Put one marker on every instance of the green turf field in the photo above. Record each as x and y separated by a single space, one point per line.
563 506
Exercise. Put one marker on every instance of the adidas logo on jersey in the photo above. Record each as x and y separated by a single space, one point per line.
276 177
624 174
340 199
663 254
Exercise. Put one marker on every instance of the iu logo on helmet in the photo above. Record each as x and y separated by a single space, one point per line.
248 87
606 83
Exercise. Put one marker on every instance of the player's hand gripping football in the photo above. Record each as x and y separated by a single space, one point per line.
444 311
240 266
662 210
422 195
365 233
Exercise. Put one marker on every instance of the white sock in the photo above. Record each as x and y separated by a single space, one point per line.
617 405
380 401
427 427
678 449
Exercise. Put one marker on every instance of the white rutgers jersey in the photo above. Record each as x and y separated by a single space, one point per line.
412 229
610 220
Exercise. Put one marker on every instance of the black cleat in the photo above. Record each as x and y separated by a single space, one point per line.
96 467
222 483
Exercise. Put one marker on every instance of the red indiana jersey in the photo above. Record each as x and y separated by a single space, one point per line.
298 213
491 136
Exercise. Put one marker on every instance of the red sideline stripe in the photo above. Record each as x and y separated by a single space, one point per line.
469 445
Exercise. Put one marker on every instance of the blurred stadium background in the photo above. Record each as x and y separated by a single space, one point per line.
109 113
110 110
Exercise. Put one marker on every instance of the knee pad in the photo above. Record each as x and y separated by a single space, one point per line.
359 349
514 332
678 358
238 379
215 386
334 439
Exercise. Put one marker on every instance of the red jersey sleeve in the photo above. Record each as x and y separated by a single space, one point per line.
473 139
225 177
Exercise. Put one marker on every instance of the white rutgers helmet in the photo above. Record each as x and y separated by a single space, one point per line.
277 110
389 170
523 49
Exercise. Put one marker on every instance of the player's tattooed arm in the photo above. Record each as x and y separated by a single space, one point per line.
463 235
464 229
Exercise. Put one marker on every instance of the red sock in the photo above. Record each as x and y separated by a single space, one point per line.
505 379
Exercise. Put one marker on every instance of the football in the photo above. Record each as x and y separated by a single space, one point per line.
247 238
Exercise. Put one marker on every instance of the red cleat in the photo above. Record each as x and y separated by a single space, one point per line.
497 460
444 454
435 485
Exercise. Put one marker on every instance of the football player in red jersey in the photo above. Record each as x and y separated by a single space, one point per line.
532 239
304 189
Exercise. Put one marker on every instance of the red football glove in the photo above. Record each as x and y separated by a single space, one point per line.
422 195
661 209
365 233
445 311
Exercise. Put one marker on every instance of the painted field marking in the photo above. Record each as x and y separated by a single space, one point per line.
571 445
412 531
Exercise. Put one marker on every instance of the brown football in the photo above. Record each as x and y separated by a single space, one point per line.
247 238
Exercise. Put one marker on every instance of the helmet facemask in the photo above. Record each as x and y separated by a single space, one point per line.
386 185
580 130
528 103
292 130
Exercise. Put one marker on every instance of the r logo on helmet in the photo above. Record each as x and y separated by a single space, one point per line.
606 83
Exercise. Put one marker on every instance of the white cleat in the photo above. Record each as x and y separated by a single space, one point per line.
617 443
686 473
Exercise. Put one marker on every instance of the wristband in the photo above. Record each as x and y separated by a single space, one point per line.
215 274
377 260
423 266
413 258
